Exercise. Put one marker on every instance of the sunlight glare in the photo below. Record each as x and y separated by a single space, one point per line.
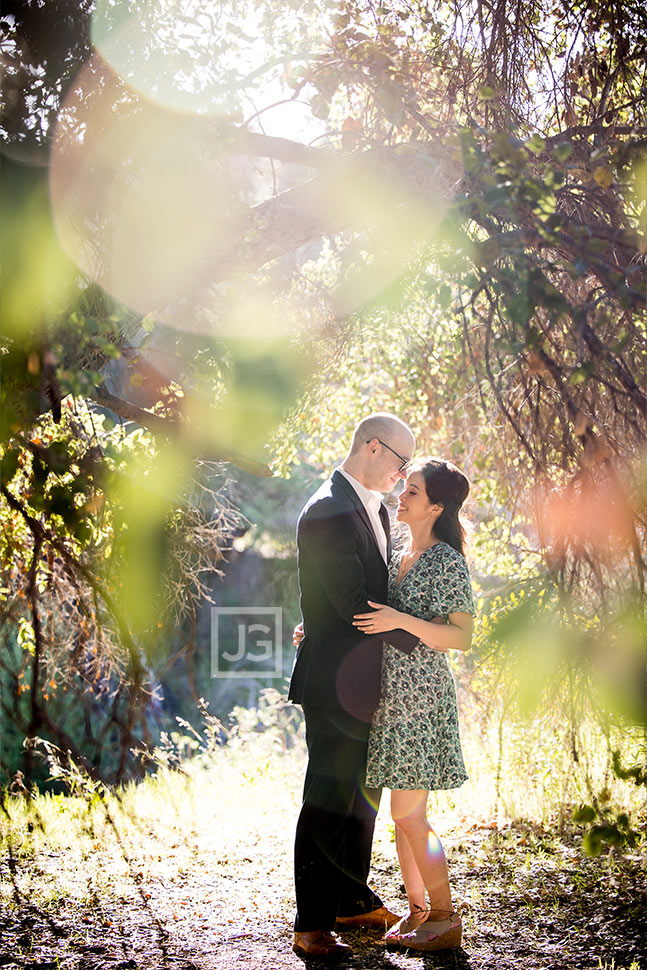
434 846
179 55
142 198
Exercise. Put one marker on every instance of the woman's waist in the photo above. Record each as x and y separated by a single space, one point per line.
421 654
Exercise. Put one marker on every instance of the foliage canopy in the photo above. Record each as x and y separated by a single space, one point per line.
455 229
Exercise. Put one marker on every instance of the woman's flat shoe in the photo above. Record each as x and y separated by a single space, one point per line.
443 934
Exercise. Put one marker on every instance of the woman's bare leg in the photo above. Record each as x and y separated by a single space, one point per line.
413 885
425 854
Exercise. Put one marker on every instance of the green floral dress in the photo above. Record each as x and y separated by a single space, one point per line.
414 740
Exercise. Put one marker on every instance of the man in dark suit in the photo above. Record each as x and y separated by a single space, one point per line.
343 542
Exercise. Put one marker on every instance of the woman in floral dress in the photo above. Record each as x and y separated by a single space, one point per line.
414 745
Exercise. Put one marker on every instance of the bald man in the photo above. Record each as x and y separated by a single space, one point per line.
343 543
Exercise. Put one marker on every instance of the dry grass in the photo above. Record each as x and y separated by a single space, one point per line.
193 868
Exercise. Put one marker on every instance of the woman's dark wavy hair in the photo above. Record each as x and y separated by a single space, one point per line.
445 485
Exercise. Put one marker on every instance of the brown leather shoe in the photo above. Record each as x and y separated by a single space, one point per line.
320 943
378 919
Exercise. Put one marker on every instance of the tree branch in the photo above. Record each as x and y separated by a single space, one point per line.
41 535
172 428
333 201
244 142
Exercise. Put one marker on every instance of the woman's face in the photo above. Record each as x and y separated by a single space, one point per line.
413 504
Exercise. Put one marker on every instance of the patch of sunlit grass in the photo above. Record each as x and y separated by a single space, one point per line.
227 809
204 850
535 770
149 840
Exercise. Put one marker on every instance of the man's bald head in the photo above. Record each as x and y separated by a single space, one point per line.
381 444
385 427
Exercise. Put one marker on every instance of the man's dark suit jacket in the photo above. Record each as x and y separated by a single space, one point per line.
340 568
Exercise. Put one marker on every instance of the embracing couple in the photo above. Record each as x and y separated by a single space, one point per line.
377 693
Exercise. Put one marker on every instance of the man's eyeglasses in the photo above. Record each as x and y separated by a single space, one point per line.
404 462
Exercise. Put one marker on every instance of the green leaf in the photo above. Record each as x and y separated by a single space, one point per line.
82 530
597 246
391 100
535 144
320 107
8 465
563 151
585 814
581 374
612 835
603 176
592 844
444 296
486 93
61 502
534 338
40 471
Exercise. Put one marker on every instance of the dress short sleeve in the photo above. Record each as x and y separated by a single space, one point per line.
451 587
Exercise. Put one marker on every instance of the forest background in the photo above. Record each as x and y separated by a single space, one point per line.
229 233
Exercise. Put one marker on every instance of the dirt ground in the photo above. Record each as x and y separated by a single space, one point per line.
213 891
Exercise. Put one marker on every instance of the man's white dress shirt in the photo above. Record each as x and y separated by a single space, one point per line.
371 501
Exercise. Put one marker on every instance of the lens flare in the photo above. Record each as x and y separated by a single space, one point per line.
38 280
434 846
200 58
173 54
142 198
147 493
592 512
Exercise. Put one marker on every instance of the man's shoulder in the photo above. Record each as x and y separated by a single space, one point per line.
331 498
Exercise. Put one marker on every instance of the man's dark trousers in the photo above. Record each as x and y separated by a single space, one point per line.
335 829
